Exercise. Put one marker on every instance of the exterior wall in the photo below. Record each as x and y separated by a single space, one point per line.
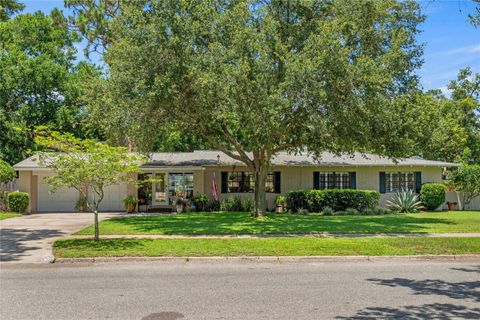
295 178
27 182
292 178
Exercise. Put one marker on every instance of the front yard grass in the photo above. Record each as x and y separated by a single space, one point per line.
6 215
395 246
221 223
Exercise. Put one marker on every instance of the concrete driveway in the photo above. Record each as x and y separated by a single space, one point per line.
29 238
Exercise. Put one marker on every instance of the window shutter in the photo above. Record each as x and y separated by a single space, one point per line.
316 180
353 180
418 181
224 182
277 181
382 182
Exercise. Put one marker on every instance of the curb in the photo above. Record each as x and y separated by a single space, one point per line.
277 259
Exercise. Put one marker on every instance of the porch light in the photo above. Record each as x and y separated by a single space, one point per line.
218 159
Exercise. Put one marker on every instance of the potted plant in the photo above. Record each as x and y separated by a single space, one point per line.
452 205
130 203
280 204
200 201
81 204
179 204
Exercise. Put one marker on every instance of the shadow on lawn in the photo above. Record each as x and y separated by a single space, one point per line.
242 223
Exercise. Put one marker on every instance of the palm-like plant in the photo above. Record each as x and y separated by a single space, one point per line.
405 201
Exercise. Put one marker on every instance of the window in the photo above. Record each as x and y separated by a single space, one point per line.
180 185
333 180
236 182
397 181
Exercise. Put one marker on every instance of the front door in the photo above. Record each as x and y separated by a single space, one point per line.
159 186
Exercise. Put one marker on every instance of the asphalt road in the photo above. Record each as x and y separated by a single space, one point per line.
168 291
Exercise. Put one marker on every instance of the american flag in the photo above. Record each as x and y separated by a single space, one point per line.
214 187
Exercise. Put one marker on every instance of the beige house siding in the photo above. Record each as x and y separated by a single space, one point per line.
27 182
295 178
292 178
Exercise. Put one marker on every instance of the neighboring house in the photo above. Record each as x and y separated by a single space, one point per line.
184 174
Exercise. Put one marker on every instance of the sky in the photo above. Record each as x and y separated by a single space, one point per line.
451 43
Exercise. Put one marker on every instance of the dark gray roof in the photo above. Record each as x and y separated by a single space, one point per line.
213 158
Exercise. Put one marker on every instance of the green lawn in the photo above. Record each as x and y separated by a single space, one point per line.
78 248
218 223
6 215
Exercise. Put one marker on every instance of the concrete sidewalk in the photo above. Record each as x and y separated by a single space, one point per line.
29 238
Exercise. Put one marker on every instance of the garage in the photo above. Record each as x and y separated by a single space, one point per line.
63 200
113 200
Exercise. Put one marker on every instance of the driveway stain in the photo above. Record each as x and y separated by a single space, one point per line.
169 315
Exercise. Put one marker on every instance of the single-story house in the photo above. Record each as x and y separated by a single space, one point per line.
184 174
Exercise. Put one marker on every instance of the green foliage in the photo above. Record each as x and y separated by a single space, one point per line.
41 83
82 204
328 211
405 201
237 204
281 201
200 201
18 201
7 173
432 195
337 200
130 200
448 129
466 181
241 74
9 8
212 205
82 163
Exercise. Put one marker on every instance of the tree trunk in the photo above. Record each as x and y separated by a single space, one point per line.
95 213
260 197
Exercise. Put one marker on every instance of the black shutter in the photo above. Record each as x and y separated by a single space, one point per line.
418 181
382 182
277 182
224 182
353 180
316 180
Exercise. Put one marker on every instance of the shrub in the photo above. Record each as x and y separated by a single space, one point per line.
352 211
296 199
405 201
338 200
247 204
302 211
212 205
237 204
18 201
328 211
432 195
200 201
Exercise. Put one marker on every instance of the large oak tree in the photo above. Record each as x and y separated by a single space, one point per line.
254 78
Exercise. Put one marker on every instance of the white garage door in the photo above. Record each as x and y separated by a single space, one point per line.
113 199
62 200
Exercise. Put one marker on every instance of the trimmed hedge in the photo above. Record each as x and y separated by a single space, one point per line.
18 201
338 200
432 195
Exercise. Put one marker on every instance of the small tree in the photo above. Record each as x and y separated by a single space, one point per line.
466 181
83 164
7 174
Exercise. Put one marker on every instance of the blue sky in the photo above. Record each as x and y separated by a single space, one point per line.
451 43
